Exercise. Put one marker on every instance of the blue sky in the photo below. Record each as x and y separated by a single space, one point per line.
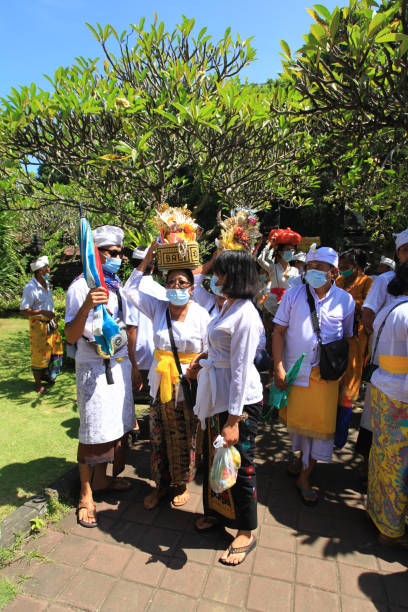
38 36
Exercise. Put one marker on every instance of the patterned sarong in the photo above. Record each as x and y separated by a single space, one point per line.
387 498
236 507
173 433
46 347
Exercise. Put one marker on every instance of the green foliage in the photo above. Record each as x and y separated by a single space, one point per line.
8 592
37 524
13 274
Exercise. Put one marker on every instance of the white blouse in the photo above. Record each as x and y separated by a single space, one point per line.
203 297
393 341
189 335
229 379
278 276
378 296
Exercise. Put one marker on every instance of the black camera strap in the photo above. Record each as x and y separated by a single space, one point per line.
173 344
313 314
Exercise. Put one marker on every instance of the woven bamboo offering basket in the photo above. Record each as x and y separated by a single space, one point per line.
178 255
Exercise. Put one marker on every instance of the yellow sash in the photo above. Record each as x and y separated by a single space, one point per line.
394 364
167 369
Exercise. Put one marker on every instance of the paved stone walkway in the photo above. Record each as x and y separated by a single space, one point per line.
307 559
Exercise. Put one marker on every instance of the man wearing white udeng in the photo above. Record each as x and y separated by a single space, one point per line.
106 410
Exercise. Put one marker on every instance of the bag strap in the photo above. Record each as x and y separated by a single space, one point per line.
313 313
173 344
382 327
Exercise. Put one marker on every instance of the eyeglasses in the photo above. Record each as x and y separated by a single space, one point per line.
113 252
181 284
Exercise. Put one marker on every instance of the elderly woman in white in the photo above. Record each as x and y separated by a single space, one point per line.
229 400
173 427
106 410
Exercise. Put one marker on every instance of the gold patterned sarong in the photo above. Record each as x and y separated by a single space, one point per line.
44 343
312 410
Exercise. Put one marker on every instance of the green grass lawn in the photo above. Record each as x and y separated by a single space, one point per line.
38 434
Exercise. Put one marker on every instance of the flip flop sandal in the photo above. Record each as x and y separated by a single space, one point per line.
186 495
214 524
91 514
308 497
236 551
156 497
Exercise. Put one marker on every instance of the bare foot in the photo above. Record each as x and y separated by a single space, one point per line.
182 496
205 523
112 483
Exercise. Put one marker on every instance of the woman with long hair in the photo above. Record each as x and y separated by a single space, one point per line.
229 400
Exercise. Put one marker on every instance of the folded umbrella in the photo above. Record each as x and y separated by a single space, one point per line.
277 398
104 327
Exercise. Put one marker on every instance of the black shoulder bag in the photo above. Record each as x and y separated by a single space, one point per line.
189 391
371 367
333 355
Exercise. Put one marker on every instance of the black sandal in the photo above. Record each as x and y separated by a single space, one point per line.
236 551
91 514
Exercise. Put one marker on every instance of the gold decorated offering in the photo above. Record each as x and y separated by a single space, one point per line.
178 232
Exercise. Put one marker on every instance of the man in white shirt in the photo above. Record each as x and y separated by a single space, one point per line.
312 409
38 306
378 296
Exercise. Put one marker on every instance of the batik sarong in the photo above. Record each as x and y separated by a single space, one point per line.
387 498
46 347
173 434
235 507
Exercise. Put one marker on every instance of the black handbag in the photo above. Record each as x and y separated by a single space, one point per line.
371 367
189 390
333 355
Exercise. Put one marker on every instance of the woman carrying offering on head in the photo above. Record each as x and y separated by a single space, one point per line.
173 425
229 400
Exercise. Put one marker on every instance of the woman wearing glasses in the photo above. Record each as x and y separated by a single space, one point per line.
173 425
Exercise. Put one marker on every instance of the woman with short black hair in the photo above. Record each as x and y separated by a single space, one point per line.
229 400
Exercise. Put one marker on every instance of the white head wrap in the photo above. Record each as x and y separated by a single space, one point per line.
325 254
387 262
301 256
401 238
108 235
139 252
39 263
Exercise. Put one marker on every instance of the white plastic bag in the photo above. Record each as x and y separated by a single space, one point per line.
225 466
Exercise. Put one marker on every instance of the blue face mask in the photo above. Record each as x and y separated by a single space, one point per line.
46 276
316 278
216 289
112 264
178 297
288 255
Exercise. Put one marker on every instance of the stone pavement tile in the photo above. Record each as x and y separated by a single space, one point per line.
171 602
275 537
145 568
281 517
397 588
359 531
352 604
48 580
392 560
112 510
317 573
108 559
72 550
365 557
44 543
314 522
187 579
266 594
360 582
100 533
26 604
136 512
310 600
226 586
67 523
160 541
274 564
172 518
283 498
313 545
58 608
198 547
127 596
87 590
213 606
